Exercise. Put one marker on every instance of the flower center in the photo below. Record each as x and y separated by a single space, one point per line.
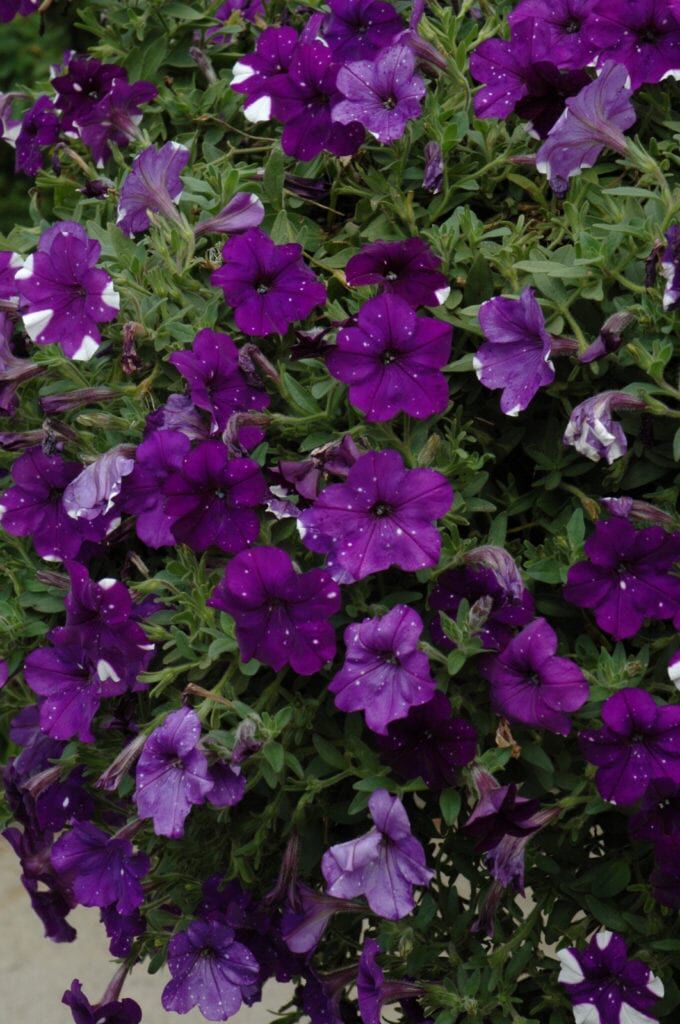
262 288
571 26
381 510
391 275
649 35
389 103
388 357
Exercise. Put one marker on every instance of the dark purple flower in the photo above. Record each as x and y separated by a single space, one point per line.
594 119
529 684
383 865
335 458
373 991
121 929
258 73
172 773
358 29
604 985
516 354
209 969
109 1010
178 413
384 673
665 878
592 430
216 383
39 128
382 515
392 361
10 262
243 211
115 118
84 83
670 268
609 339
268 286
282 617
433 174
408 269
63 294
49 899
642 35
212 499
157 458
250 10
229 785
304 922
381 94
548 89
566 23
659 816
429 744
94 492
100 869
627 577
639 742
152 184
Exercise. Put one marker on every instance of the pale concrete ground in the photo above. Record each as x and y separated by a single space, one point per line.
35 973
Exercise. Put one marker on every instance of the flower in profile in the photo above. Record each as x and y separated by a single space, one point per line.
610 337
373 991
382 515
642 35
268 286
282 617
172 774
566 23
209 969
115 118
358 29
605 985
392 361
592 430
63 296
94 492
408 269
39 128
216 382
157 458
594 119
670 268
383 865
109 1010
101 869
429 744
84 82
638 743
212 499
515 356
243 211
381 94
258 73
627 577
153 184
531 685
384 673
305 919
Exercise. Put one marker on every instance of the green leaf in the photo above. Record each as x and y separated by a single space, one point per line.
450 803
274 754
328 753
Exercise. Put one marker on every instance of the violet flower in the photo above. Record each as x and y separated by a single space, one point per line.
101 869
373 991
178 413
516 354
643 35
566 23
268 286
49 899
609 339
627 577
382 515
109 1010
121 929
384 673
604 985
94 492
10 262
433 173
670 268
305 920
305 475
392 361
381 94
157 458
243 211
172 774
592 430
63 294
84 82
638 743
358 29
39 128
282 617
115 118
408 269
383 865
258 73
594 119
153 184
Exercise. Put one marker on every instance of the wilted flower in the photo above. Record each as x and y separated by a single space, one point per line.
381 94
610 337
94 492
670 268
593 432
152 184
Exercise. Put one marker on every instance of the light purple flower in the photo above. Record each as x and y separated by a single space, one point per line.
39 128
566 23
156 459
382 515
63 294
101 869
594 119
516 354
268 286
243 211
384 674
383 865
258 73
381 94
408 269
643 35
358 29
94 492
152 184
210 970
304 921
592 430
638 743
670 268
172 774
282 617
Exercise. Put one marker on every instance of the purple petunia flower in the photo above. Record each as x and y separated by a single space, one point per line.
304 921
250 10
50 901
639 742
643 35
429 744
268 286
172 773
157 458
216 383
516 354
109 1010
178 413
670 268
594 119
592 430
610 338
381 94
408 269
39 128
373 991
10 262
529 684
659 816
392 361
627 577
84 83
121 929
94 492
433 174
209 969
258 73
101 869
567 23
243 211
358 29
115 118
63 294
282 617
604 985
384 673
383 865
212 499
382 515
335 458
152 184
